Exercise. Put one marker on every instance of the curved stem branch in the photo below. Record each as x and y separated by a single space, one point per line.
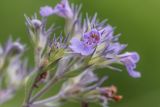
51 99
31 90
43 90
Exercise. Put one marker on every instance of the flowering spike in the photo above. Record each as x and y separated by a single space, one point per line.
86 46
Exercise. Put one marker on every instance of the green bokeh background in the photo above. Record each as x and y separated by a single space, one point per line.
137 20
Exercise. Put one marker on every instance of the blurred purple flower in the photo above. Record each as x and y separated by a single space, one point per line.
5 95
79 83
17 72
13 48
46 11
130 59
115 48
10 50
62 9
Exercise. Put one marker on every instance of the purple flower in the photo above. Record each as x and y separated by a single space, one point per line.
88 43
13 48
79 83
115 48
46 11
92 38
107 32
78 46
38 32
130 60
37 24
17 72
63 9
87 77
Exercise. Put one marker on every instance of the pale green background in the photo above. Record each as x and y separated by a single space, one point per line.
137 20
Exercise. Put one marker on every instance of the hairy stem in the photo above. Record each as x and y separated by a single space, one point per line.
37 54
51 99
31 90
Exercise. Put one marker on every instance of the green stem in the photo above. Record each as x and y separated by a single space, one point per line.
43 90
51 99
31 90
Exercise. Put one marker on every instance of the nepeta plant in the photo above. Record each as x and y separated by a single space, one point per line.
71 59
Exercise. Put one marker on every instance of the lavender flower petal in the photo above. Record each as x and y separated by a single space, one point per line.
46 11
130 60
63 9
79 47
115 48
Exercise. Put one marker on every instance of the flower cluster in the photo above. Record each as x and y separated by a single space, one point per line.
12 69
72 57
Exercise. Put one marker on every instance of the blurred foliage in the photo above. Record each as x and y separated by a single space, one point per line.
137 20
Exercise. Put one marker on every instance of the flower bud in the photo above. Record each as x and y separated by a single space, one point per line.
36 23
76 85
110 93
13 48
46 11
